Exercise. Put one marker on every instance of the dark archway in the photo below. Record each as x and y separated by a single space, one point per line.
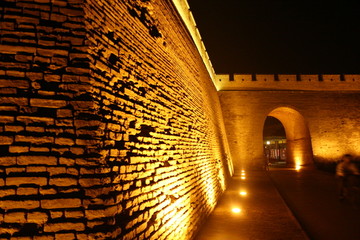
274 139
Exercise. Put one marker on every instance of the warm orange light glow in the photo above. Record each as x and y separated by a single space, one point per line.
297 167
236 210
243 177
243 193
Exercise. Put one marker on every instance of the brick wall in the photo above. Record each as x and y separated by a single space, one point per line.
110 126
332 118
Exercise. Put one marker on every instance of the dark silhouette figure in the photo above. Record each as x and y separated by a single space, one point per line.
347 174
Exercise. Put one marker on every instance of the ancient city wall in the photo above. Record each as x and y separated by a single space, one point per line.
110 125
331 115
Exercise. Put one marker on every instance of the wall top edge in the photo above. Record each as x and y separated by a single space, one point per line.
184 11
286 77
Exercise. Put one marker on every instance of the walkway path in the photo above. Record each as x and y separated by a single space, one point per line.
263 216
311 195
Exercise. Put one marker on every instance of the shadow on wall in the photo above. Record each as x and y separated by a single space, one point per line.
299 150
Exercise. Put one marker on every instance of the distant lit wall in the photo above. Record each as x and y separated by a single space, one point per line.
110 125
331 116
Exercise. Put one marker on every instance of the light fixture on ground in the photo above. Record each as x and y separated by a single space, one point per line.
243 193
236 210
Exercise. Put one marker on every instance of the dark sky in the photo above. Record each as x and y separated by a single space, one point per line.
280 36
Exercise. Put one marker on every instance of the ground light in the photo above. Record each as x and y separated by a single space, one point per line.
243 175
297 167
243 193
236 210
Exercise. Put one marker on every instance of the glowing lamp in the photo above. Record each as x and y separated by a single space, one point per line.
236 210
243 193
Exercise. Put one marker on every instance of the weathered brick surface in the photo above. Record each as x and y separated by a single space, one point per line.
110 127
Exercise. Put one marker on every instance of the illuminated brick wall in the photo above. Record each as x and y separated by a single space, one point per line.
331 118
110 126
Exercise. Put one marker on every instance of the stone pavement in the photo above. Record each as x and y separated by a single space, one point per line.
263 214
311 195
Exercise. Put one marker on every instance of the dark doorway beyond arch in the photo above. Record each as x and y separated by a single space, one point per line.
274 141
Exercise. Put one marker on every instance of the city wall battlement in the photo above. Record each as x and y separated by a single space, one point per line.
311 82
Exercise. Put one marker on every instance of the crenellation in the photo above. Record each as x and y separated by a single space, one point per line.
287 77
313 82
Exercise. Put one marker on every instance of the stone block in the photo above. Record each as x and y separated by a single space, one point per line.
18 149
36 160
33 76
7 192
64 113
48 191
64 141
39 149
52 78
60 203
17 181
63 182
12 128
14 83
89 182
66 226
47 103
37 217
56 170
56 214
6 140
67 161
65 236
25 204
35 129
17 74
7 161
14 169
8 91
27 191
74 214
14 217
34 119
102 213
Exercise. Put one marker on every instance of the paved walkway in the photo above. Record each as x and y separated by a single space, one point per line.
311 195
264 215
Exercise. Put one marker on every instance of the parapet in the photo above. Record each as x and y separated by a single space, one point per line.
184 11
310 82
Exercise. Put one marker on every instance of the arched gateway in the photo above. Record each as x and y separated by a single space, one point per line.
319 113
298 140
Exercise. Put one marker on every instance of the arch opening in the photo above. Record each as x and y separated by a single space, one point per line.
298 140
274 141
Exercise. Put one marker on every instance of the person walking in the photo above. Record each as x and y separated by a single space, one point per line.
345 170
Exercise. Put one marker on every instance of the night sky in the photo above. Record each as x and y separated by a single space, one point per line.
280 36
